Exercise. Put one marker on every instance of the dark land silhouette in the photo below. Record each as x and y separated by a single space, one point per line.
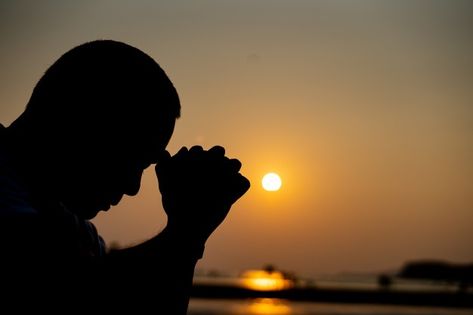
436 270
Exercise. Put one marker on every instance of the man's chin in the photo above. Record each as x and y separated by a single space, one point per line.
87 216
87 212
93 213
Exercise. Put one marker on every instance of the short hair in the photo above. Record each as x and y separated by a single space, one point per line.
104 80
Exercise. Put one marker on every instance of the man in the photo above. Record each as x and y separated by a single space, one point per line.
98 117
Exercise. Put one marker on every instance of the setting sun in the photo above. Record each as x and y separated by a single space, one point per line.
263 280
271 182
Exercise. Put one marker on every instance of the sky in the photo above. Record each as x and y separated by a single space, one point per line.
364 108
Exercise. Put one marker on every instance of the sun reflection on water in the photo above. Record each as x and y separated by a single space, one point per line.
268 306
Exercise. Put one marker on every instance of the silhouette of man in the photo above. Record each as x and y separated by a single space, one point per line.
100 115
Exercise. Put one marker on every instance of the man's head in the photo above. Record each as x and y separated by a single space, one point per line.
99 115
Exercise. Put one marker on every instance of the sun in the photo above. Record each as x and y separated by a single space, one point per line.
271 182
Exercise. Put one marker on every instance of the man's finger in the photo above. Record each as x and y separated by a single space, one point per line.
234 165
164 157
217 150
181 154
183 150
196 149
238 186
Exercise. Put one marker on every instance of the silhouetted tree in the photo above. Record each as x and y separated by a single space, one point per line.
384 281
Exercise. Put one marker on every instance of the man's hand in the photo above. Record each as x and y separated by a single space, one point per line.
198 189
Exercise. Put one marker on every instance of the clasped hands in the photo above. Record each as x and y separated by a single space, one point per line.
198 188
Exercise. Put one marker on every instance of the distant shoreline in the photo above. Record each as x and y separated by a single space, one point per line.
379 296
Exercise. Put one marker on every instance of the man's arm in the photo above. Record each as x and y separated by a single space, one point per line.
198 189
158 272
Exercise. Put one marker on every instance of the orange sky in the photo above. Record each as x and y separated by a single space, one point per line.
363 107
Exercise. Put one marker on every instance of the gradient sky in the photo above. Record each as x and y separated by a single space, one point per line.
365 109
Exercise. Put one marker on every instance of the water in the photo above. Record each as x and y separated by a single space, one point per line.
268 306
283 307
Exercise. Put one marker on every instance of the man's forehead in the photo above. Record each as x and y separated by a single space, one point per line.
149 136
153 146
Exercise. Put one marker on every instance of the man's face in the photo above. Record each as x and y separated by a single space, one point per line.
100 179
